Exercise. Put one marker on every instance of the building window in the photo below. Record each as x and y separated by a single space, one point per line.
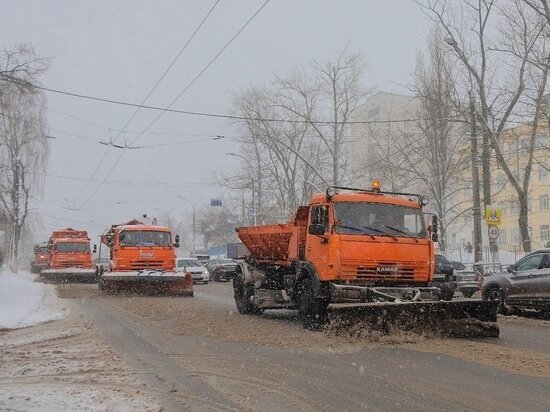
529 205
544 204
468 191
543 173
501 180
513 208
544 233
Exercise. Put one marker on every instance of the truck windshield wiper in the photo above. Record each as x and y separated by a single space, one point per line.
402 232
381 231
356 228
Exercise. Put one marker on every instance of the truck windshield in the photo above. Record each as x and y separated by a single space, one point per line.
144 238
378 219
72 247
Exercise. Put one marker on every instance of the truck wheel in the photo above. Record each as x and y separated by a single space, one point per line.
242 298
497 294
313 311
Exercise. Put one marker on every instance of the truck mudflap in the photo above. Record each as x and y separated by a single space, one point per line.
411 309
69 275
150 282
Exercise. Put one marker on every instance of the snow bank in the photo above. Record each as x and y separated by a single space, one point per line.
24 302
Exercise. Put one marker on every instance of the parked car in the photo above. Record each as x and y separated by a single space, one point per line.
467 282
222 269
525 284
193 266
444 277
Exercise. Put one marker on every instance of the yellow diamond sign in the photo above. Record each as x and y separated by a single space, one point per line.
493 215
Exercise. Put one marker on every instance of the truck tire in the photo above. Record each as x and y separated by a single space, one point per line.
313 311
242 297
496 293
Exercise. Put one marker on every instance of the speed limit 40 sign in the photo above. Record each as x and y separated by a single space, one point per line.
493 232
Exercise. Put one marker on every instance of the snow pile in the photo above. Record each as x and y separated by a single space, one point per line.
24 302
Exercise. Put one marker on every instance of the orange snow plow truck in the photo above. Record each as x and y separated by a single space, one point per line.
70 258
353 254
142 260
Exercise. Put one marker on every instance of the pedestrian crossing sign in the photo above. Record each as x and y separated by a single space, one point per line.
493 215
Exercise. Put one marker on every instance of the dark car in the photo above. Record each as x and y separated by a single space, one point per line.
444 266
221 269
444 277
525 284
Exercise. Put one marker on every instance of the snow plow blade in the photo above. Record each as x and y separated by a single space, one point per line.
465 318
69 275
148 282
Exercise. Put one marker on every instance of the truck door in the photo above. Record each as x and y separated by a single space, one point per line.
317 239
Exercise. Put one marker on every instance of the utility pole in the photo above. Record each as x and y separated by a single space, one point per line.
476 208
15 228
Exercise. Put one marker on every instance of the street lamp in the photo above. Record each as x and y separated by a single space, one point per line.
476 201
193 206
253 185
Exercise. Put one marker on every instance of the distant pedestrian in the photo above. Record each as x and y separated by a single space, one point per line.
468 247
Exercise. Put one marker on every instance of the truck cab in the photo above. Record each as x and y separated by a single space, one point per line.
70 248
369 238
139 246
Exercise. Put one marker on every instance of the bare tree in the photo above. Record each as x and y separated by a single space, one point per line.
330 103
307 148
430 150
508 72
22 67
23 144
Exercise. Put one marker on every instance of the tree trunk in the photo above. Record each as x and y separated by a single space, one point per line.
524 223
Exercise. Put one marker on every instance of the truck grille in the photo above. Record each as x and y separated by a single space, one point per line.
382 272
385 272
69 264
143 264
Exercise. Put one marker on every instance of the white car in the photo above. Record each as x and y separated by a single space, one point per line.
193 266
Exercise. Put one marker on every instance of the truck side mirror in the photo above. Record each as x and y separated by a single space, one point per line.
177 241
510 268
317 229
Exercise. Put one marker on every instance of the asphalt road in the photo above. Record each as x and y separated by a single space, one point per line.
189 366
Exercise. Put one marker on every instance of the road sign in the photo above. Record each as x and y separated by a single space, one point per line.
493 215
493 232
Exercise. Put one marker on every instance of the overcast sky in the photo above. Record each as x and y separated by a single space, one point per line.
119 50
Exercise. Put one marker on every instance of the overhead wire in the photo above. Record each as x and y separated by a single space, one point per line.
138 107
187 87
